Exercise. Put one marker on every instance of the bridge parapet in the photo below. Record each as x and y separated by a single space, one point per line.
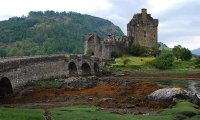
14 63
20 71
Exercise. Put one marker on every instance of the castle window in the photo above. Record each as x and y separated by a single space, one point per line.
145 34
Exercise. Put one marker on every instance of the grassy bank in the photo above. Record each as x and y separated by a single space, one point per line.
132 64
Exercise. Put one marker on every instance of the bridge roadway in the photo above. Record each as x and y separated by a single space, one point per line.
17 72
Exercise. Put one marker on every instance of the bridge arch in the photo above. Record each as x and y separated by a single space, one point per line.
86 69
73 71
5 87
96 68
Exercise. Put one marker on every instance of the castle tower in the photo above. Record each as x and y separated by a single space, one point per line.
143 29
92 45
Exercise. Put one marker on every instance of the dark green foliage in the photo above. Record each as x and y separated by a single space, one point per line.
154 51
3 51
197 62
115 54
164 61
182 53
90 52
186 54
137 50
177 51
50 32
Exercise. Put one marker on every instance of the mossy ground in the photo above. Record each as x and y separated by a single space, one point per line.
184 110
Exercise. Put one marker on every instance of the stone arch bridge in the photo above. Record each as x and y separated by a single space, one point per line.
17 72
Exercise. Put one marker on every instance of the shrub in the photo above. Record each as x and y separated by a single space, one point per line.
182 53
137 50
90 52
115 54
197 62
186 54
164 61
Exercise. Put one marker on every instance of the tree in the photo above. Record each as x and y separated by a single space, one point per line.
154 51
186 54
3 52
177 51
182 53
165 61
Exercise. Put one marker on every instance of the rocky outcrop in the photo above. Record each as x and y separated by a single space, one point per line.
172 95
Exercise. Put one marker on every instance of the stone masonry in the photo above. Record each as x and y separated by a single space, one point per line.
17 72
142 29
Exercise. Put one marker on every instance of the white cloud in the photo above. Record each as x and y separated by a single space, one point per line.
190 42
22 7
178 19
161 6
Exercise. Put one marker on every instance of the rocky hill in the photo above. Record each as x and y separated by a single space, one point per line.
50 32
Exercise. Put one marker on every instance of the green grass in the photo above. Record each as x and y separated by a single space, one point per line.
46 84
21 114
134 60
132 64
183 109
83 113
93 113
184 64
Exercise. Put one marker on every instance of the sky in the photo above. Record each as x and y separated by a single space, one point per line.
179 20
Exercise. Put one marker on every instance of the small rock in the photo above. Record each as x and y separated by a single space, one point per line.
107 99
90 99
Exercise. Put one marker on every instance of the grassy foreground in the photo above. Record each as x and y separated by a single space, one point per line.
184 110
21 114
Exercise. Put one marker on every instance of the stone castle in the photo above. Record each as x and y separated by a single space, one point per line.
142 30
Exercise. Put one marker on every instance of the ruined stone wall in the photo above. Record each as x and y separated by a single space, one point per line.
112 43
93 44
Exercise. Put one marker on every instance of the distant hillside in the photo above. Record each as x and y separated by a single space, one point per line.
196 51
163 46
50 32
